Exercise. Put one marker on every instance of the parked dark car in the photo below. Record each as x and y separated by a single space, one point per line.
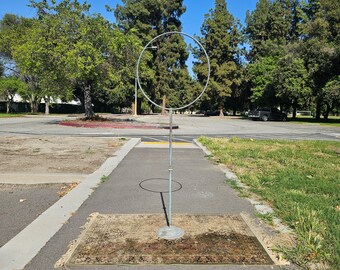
266 114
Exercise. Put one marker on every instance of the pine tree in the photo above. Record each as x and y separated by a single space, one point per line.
258 29
220 37
271 26
321 49
166 72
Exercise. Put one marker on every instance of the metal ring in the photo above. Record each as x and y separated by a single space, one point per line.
140 57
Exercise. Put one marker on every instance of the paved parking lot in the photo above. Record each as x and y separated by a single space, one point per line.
189 127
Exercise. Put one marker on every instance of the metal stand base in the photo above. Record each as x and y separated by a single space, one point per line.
170 232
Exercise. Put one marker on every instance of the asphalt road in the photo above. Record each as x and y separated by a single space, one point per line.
190 127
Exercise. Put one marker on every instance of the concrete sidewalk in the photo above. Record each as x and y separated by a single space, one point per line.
203 190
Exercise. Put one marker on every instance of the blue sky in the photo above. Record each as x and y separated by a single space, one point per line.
191 20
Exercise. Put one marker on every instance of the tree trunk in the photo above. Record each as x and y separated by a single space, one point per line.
220 107
89 113
8 106
328 110
294 110
318 109
47 105
133 108
139 106
34 104
152 108
163 105
9 99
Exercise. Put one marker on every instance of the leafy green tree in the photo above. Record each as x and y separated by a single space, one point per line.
25 42
9 87
220 37
291 82
12 27
261 75
36 58
124 50
12 32
321 49
78 49
80 45
275 30
331 96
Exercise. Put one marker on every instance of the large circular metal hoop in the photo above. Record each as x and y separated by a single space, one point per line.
140 57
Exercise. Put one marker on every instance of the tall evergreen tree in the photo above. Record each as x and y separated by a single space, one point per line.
166 69
272 29
321 49
271 26
220 37
258 29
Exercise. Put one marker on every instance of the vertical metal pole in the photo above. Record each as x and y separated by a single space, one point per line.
170 232
135 112
170 167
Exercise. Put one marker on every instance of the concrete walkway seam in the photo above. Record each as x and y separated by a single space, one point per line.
21 249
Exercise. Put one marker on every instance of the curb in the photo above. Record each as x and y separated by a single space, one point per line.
204 149
21 249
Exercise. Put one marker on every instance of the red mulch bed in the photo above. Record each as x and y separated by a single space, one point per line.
109 123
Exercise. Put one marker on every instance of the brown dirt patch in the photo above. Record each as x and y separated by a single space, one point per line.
55 154
132 239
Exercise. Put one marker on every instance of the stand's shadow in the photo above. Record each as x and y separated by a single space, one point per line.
160 185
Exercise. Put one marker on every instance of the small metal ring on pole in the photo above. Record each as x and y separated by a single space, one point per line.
171 232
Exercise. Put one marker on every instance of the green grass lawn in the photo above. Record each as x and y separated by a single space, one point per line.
300 180
5 115
331 121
